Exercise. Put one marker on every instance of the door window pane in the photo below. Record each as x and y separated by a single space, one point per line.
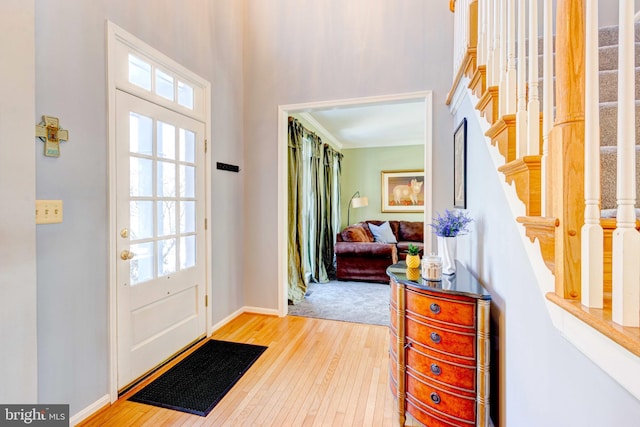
140 177
187 217
187 252
166 179
166 256
139 72
166 141
164 85
141 265
140 219
187 181
166 218
140 134
187 146
185 95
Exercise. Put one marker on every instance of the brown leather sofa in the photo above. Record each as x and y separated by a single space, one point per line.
360 257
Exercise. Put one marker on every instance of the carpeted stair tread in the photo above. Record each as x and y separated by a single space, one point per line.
607 58
608 160
608 36
609 123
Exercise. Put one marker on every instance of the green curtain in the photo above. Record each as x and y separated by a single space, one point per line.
314 209
297 285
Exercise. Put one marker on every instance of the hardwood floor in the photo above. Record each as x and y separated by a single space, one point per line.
314 373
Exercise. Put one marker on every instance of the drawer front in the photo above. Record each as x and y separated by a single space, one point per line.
393 367
457 312
432 418
393 316
463 408
393 292
441 340
460 377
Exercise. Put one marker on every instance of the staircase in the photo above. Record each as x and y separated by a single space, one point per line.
549 175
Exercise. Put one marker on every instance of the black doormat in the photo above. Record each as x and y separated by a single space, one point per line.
197 383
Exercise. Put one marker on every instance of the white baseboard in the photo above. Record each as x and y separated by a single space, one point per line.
238 312
261 310
90 410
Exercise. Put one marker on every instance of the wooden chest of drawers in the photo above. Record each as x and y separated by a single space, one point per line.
439 349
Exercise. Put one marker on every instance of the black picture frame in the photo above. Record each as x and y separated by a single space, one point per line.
460 166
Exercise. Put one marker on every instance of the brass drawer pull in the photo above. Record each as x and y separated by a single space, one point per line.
435 398
435 337
435 308
435 369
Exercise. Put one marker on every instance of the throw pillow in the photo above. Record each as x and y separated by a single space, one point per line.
354 233
382 233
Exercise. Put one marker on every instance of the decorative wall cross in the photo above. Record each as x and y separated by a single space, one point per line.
50 132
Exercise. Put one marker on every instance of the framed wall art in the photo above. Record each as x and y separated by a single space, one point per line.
403 191
460 165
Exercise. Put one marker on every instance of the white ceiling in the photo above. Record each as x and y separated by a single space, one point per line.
377 125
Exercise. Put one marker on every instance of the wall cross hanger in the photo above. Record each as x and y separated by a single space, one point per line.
51 134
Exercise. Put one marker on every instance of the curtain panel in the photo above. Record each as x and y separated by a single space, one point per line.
314 209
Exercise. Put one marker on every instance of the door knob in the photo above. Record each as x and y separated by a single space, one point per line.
126 254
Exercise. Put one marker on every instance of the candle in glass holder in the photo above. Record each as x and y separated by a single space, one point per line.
432 267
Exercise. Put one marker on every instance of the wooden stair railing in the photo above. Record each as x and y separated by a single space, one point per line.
558 232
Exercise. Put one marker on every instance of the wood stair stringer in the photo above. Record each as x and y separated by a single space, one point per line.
478 82
544 230
488 104
503 136
526 173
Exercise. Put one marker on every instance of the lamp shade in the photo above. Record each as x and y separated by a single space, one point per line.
360 202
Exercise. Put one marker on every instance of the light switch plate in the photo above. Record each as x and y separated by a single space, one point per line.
48 211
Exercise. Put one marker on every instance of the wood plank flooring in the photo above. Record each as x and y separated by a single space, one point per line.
314 373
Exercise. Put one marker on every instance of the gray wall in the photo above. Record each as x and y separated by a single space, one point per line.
306 51
72 265
18 353
540 379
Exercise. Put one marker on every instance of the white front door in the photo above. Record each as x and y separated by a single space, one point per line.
161 234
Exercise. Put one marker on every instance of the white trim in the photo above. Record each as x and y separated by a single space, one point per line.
283 113
323 133
85 413
116 36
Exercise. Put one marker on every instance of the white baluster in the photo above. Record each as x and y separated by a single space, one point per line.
480 52
502 92
496 44
521 114
592 236
510 107
490 50
626 240
533 108
547 98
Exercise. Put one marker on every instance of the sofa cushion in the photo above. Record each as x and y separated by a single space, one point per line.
356 233
382 233
412 231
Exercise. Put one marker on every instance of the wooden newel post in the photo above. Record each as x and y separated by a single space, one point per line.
566 146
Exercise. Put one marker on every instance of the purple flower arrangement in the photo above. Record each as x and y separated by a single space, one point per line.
451 224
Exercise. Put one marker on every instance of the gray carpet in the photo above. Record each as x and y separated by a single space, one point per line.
358 302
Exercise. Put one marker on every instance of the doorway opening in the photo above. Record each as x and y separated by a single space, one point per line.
306 110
